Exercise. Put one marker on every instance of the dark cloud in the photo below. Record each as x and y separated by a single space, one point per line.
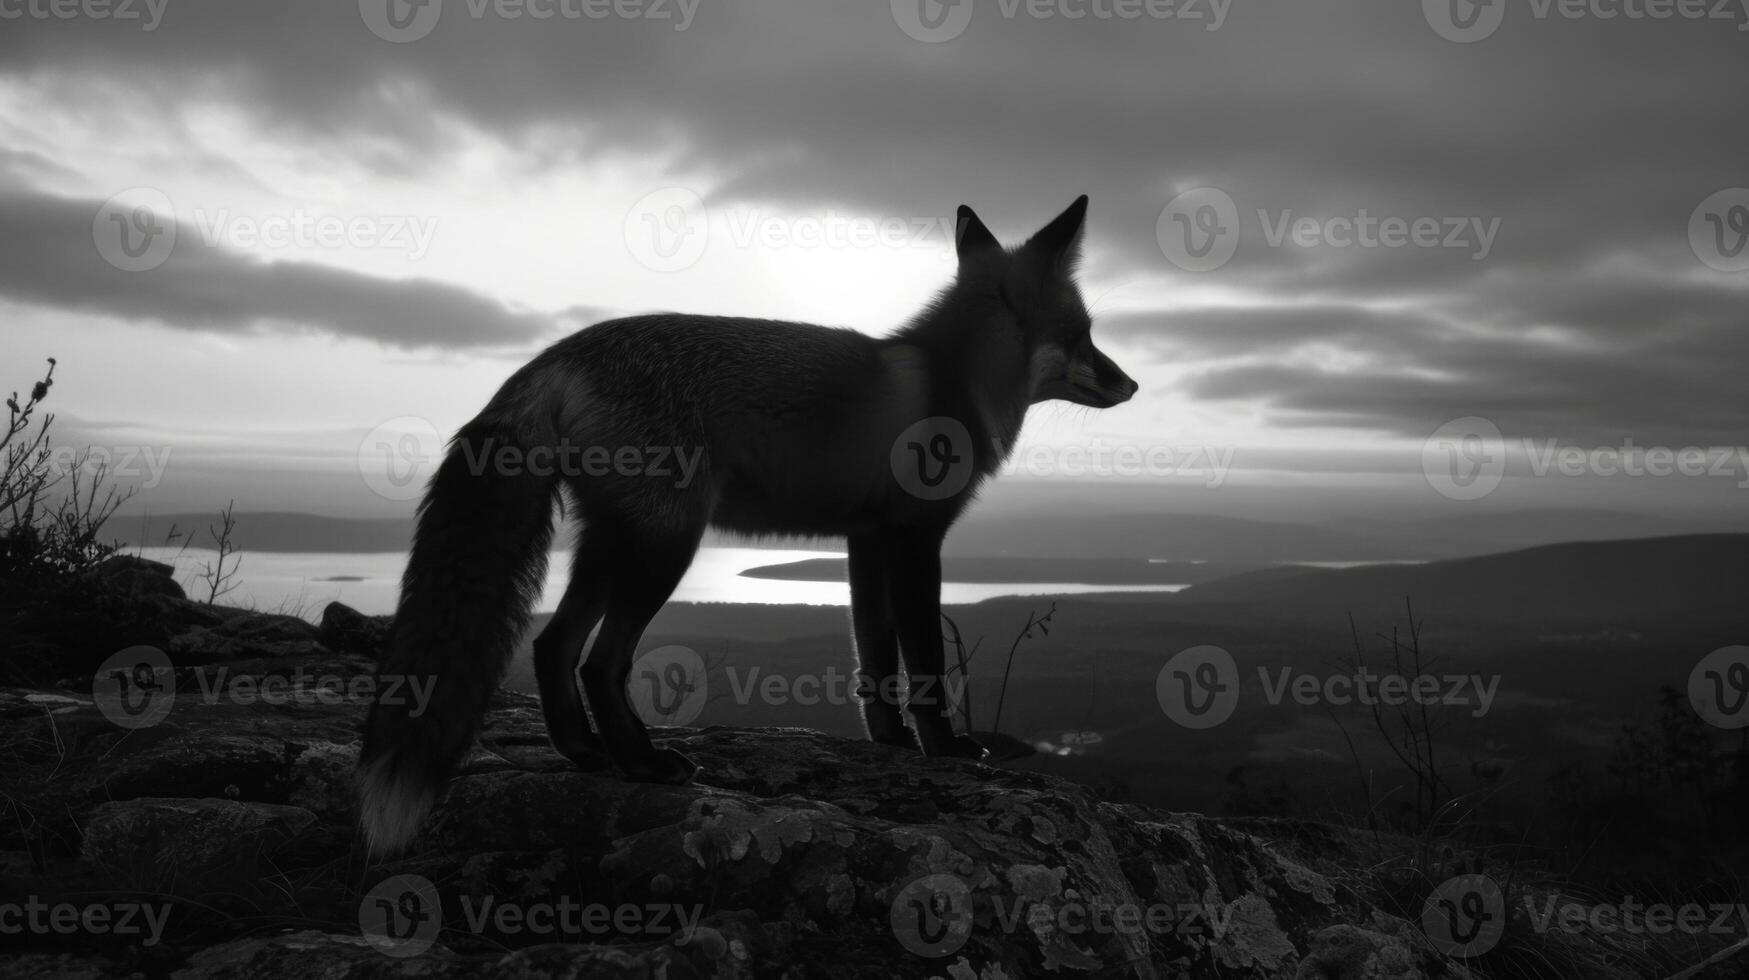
49 256
1589 141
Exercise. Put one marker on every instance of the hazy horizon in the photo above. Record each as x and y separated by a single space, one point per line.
337 261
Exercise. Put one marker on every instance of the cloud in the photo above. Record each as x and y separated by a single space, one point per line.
48 256
1589 141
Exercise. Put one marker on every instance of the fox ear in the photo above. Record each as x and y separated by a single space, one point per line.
1061 239
970 235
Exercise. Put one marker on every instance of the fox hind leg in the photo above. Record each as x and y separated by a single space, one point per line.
559 649
877 645
646 571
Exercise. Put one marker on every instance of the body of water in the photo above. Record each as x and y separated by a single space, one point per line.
302 583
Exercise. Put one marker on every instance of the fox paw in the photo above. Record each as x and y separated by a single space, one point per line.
587 758
966 747
663 766
903 739
956 747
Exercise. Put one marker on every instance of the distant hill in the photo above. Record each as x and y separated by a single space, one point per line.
1690 580
1179 537
1093 571
1483 533
281 532
1093 535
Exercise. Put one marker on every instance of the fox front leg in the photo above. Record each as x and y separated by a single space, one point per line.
914 580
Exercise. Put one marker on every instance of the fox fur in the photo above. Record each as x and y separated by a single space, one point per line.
796 425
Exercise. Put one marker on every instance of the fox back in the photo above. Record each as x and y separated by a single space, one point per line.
657 427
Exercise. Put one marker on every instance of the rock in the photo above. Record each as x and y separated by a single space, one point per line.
135 576
795 854
311 953
1003 747
190 845
21 704
61 627
247 635
1349 953
346 630
63 966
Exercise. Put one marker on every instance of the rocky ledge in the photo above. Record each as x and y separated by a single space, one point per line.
218 841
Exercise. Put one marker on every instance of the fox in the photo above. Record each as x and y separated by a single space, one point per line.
800 430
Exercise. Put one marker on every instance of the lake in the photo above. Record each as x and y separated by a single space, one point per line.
302 583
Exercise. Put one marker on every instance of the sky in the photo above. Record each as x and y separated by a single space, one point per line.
1388 254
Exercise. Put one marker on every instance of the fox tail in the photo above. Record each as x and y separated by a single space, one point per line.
477 566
